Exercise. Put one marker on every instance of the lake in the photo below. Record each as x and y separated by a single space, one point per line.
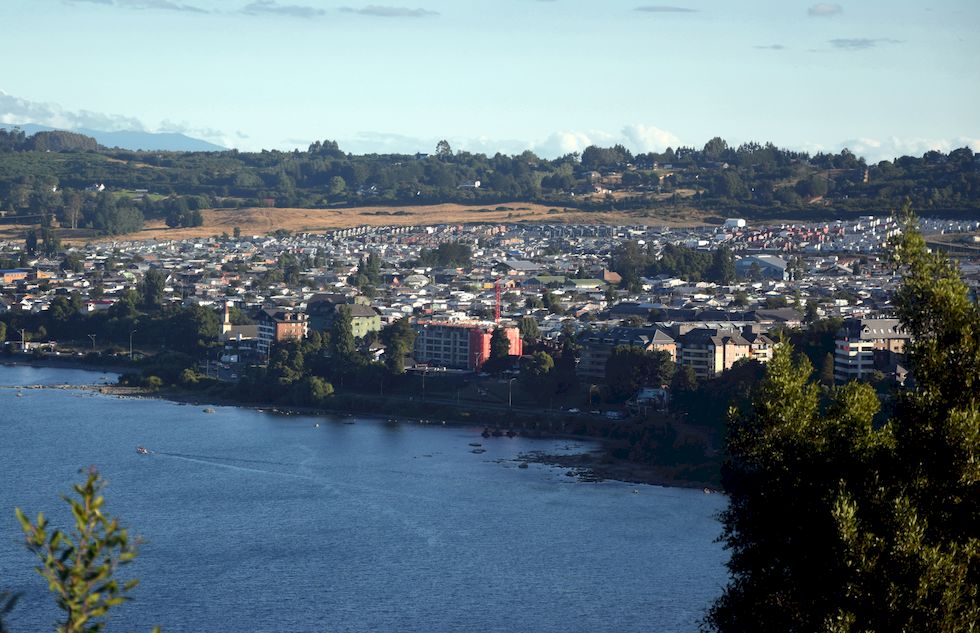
262 522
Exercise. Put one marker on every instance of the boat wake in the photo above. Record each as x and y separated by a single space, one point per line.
219 458
221 462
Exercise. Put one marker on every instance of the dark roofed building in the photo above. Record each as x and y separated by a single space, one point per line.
599 345
322 310
865 345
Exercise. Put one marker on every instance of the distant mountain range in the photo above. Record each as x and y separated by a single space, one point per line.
132 139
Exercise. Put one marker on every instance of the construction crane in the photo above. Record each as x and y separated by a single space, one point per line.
496 307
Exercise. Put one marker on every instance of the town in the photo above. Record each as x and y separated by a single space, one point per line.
540 286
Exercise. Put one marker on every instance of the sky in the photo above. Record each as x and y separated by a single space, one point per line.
881 77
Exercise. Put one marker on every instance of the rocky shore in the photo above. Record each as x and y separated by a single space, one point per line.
595 466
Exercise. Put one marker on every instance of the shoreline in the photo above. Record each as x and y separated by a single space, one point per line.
63 363
591 466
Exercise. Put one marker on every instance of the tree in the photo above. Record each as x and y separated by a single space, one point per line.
311 391
236 232
566 379
73 262
154 286
399 340
81 566
529 328
838 523
499 351
30 242
342 347
72 208
443 150
537 373
684 380
630 368
3 332
338 186
722 269
810 312
827 371
776 302
193 329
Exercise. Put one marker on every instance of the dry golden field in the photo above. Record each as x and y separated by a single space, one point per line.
261 221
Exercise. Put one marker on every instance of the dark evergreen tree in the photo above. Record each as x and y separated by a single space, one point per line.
839 524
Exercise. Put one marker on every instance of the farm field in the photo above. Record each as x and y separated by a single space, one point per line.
261 221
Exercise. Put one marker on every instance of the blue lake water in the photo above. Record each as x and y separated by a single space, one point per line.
261 522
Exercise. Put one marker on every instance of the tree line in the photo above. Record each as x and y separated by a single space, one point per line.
752 180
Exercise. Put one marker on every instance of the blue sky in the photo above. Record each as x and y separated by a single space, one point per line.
881 77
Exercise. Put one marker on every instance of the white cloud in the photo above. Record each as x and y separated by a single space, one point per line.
271 7
663 8
164 5
860 43
16 110
561 143
875 150
824 10
637 137
379 11
648 138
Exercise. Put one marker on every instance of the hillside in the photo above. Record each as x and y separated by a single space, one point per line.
64 180
134 140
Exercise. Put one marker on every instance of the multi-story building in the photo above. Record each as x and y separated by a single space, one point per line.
460 345
710 351
599 345
278 325
762 346
323 309
865 345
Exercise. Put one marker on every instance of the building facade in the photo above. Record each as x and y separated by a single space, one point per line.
863 346
459 345
599 345
709 351
276 326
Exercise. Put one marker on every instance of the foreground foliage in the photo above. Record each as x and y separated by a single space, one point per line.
81 567
835 523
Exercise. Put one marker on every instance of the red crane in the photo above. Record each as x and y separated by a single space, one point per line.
496 310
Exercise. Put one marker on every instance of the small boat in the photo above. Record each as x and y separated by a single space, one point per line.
475 444
522 465
209 410
478 450
142 450
316 426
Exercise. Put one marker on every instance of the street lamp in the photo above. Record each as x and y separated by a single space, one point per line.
510 384
131 344
92 336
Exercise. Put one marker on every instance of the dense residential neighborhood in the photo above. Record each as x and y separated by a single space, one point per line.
457 284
